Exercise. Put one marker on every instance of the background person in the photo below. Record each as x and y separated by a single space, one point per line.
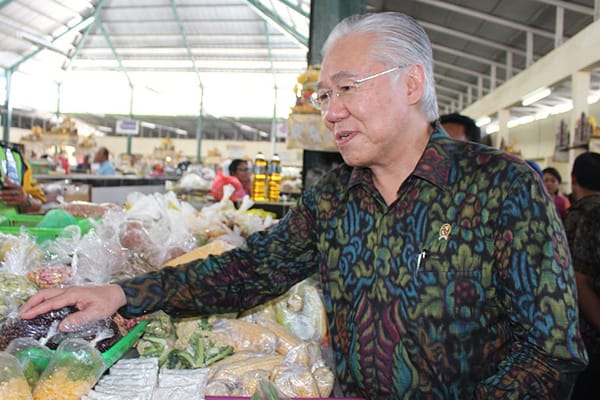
241 170
552 181
106 166
461 127
85 166
20 193
582 225
438 258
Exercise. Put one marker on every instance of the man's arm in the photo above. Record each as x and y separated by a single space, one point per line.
536 280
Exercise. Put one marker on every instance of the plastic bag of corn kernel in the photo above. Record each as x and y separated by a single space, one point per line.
13 384
32 355
73 370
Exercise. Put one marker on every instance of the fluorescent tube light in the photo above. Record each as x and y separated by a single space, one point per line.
535 96
149 125
483 121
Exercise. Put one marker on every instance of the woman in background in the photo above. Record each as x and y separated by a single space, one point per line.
552 181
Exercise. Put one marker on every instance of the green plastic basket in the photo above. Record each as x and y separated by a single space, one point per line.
11 225
119 349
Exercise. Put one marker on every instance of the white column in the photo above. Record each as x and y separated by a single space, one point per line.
580 90
503 116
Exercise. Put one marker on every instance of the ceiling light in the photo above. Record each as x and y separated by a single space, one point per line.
483 121
535 96
30 37
593 98
149 125
492 128
562 108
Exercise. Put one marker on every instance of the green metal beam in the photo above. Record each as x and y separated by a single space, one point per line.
199 128
324 15
295 7
200 85
273 120
5 3
277 20
8 115
185 41
95 16
15 66
114 51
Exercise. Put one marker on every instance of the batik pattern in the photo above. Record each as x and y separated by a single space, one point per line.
582 225
462 288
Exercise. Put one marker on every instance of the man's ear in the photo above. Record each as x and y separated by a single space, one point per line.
415 83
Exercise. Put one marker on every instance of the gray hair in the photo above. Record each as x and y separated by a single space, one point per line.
400 40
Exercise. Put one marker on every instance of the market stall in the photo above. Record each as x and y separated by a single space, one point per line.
280 347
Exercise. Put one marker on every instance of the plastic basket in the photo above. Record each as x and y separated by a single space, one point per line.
18 220
119 349
12 224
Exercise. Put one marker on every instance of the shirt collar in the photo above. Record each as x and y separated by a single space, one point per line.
434 165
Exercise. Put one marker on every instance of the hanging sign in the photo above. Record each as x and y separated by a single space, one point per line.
127 127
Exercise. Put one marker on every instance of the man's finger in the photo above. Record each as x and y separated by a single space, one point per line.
53 303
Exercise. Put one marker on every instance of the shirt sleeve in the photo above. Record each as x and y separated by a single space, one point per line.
271 262
536 282
31 186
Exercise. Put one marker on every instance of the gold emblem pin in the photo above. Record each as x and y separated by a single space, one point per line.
445 231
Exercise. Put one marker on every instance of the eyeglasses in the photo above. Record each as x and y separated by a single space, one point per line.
321 98
243 169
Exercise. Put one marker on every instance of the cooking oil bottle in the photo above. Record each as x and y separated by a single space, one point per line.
274 178
259 177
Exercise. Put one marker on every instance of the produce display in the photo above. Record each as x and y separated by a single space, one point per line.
276 347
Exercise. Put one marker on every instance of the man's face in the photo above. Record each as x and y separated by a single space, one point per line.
99 157
364 122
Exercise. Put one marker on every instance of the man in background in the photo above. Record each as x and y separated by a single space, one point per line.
106 166
461 127
20 193
582 225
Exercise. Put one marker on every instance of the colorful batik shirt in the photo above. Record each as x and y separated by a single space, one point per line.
583 232
462 288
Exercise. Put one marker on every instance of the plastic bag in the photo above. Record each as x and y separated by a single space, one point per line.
14 291
44 328
267 391
13 385
220 181
57 218
33 356
36 328
246 336
73 370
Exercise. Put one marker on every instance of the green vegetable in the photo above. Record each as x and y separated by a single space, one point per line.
179 359
266 391
184 344
152 346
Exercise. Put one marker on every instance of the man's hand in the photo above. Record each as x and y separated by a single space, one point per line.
93 303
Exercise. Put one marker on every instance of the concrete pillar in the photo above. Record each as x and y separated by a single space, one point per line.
324 15
503 116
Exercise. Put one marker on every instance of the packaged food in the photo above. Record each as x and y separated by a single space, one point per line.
33 357
13 385
73 370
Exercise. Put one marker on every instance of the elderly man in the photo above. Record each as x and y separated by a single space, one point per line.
445 268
